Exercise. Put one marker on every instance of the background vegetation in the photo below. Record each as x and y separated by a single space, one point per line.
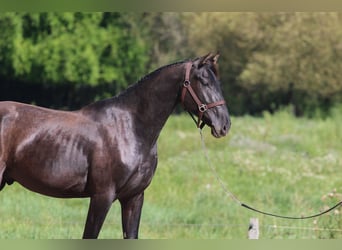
269 60
274 67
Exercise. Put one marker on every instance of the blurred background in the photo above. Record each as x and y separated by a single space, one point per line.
268 60
282 80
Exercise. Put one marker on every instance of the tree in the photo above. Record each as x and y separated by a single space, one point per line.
74 49
303 58
267 59
274 59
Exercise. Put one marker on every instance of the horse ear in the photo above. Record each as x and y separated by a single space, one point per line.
216 57
209 58
205 59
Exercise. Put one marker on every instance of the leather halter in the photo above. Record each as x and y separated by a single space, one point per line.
202 107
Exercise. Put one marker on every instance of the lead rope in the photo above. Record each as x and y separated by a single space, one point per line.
233 197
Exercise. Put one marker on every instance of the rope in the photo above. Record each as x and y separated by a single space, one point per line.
233 197
222 184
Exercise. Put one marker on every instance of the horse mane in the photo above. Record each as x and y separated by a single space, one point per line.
150 75
157 71
133 86
118 97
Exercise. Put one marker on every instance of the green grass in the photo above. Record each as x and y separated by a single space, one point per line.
276 163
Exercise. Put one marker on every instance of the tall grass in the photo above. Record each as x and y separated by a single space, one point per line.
276 163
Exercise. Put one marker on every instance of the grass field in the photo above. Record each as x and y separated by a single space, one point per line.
276 163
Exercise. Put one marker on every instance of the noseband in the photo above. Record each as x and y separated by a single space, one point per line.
202 107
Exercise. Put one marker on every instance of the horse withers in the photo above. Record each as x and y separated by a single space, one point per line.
107 150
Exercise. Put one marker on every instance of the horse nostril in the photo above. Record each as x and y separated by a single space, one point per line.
224 130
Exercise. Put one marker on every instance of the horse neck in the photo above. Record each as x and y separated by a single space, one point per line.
154 98
150 101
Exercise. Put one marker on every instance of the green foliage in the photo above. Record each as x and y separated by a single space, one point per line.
75 48
10 28
303 57
167 36
273 59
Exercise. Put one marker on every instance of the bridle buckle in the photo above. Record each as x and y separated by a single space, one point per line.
202 108
186 83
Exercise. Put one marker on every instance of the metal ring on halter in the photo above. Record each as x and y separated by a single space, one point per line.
186 83
202 108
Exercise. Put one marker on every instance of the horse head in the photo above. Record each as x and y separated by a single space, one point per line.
202 94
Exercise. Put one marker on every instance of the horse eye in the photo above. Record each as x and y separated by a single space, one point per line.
205 74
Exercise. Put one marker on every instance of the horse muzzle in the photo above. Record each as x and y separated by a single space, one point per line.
219 131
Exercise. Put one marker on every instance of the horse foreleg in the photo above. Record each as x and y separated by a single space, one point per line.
130 212
2 170
98 209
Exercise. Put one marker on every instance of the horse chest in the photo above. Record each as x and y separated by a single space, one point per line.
139 173
132 151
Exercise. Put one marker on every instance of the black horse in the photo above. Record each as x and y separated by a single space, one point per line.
107 150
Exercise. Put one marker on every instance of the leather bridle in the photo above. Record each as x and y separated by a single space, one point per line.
202 107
